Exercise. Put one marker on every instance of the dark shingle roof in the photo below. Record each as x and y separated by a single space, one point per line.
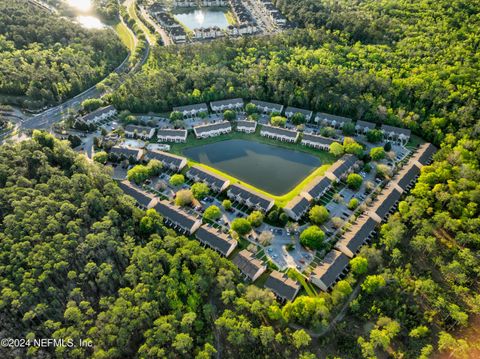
365 124
165 157
274 106
202 107
171 132
342 165
233 101
262 201
251 124
358 234
406 175
318 139
138 129
175 215
298 205
280 131
318 186
325 116
397 130
331 267
215 239
306 113
212 127
425 153
143 198
210 178
282 286
97 112
125 151
247 263
386 201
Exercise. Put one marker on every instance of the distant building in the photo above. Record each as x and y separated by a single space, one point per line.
191 111
171 161
235 104
250 198
216 240
212 129
278 133
215 182
144 199
325 119
330 270
246 126
297 207
171 135
177 218
362 127
396 134
282 286
424 154
320 142
360 233
145 133
100 114
251 267
291 111
267 107
126 153
386 203
407 176
342 168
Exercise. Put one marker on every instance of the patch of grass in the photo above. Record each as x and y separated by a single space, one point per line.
280 201
125 35
230 18
294 274
132 11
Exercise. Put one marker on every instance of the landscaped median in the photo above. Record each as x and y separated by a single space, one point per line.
280 201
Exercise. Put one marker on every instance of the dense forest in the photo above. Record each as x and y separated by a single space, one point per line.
78 260
46 59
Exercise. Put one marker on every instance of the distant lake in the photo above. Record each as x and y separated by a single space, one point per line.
194 19
90 22
273 169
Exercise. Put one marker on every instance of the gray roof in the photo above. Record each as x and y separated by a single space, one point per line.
247 263
298 205
282 285
212 127
233 101
318 186
138 129
175 215
280 131
201 107
98 112
171 132
318 139
386 201
274 106
406 175
215 239
125 151
165 157
425 153
358 234
306 113
143 198
262 201
321 116
243 123
398 130
331 267
209 177
342 165
365 124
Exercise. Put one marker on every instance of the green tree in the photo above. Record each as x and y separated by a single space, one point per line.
212 213
255 218
101 157
312 237
177 180
200 190
353 203
354 181
241 226
352 147
374 136
298 118
250 108
377 153
348 129
183 197
278 121
359 265
175 116
227 204
318 214
301 338
230 115
92 104
372 283
336 149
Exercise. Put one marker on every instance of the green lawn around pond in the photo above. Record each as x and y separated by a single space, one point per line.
326 159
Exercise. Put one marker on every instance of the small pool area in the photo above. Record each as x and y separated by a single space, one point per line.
203 18
270 168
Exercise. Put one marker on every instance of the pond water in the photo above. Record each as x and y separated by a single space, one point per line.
194 19
273 169
80 5
90 22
